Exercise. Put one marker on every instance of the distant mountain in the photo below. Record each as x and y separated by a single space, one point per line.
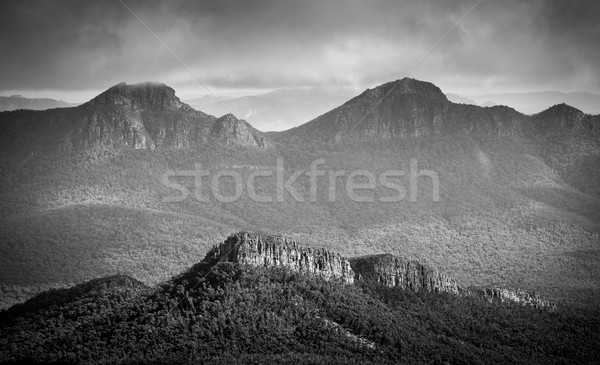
563 118
276 110
535 102
488 104
143 116
15 102
458 99
408 108
199 103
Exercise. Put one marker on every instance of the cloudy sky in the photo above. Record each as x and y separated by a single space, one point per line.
73 50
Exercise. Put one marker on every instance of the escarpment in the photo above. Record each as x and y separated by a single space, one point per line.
393 271
144 96
504 294
385 269
257 250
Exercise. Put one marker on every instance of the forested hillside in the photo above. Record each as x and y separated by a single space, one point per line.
226 312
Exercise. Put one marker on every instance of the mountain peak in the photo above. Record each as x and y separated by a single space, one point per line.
413 86
147 95
237 132
403 87
561 108
407 108
229 118
559 117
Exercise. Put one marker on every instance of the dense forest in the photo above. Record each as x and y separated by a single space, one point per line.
223 312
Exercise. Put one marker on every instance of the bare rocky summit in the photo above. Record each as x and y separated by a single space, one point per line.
257 250
143 96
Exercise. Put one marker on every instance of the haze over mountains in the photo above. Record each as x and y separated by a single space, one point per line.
286 108
535 102
276 110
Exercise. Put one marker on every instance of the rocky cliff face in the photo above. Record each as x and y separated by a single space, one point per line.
144 96
393 271
503 294
257 250
234 132
389 270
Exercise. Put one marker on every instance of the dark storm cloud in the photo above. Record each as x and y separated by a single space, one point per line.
80 45
573 27
55 44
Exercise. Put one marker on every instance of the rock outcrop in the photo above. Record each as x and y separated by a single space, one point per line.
143 96
393 271
257 250
503 294
235 132
385 269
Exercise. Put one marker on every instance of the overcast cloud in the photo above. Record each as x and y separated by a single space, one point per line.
82 47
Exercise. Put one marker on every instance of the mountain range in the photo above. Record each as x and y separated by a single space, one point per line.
533 102
286 108
84 196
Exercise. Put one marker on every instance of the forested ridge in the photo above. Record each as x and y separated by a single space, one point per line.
226 312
